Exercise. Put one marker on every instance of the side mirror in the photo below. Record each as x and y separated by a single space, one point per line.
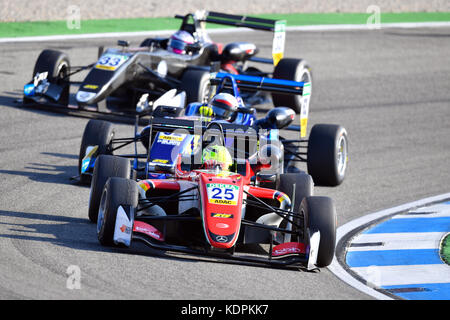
143 104
123 43
279 117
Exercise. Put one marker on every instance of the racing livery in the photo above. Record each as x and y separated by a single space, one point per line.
208 208
117 80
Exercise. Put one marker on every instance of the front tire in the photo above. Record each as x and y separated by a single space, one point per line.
304 187
117 192
321 216
56 63
96 133
105 167
196 84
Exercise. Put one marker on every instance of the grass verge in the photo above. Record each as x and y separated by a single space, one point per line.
49 28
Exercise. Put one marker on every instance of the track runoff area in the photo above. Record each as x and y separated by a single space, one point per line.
398 253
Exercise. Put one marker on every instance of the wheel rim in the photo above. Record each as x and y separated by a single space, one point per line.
205 93
62 72
101 213
342 156
304 76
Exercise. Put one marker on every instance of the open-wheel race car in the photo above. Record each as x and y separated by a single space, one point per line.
120 76
325 152
216 201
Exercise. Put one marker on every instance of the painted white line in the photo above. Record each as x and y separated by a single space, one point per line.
383 276
438 210
340 27
328 27
342 231
397 241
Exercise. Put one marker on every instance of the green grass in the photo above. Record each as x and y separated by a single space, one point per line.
445 249
25 29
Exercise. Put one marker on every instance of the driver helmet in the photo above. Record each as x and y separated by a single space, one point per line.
223 105
217 156
178 41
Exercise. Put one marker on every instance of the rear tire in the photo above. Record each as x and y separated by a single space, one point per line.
196 84
96 133
321 216
117 192
294 70
106 167
327 154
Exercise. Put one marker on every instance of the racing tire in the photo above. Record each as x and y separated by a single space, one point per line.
304 187
294 70
196 84
117 192
96 133
327 154
321 216
56 63
105 167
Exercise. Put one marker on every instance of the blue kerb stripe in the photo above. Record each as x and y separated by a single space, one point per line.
392 257
428 291
440 224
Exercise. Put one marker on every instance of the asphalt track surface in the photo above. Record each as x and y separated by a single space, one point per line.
389 88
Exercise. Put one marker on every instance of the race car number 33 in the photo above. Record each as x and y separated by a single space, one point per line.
111 61
223 194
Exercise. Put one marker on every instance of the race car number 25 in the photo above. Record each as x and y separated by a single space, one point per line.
223 194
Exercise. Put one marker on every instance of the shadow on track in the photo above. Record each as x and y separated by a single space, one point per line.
80 234
47 173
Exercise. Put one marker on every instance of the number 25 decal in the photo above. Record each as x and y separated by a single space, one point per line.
227 194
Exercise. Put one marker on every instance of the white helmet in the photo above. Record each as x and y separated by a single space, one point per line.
224 105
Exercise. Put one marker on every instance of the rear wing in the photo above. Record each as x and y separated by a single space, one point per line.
241 21
278 27
233 20
254 83
198 127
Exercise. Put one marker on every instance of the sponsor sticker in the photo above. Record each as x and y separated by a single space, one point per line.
171 139
222 215
223 194
288 248
147 229
90 86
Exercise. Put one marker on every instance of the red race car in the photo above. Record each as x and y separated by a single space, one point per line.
216 204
